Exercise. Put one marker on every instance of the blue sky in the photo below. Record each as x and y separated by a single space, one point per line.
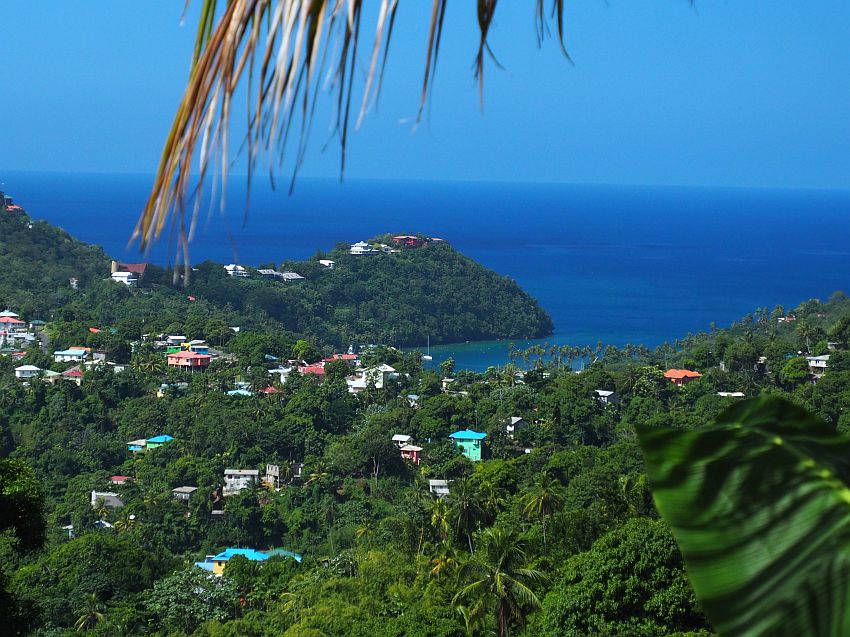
731 93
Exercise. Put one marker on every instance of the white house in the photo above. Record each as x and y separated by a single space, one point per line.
361 248
402 439
330 265
235 480
379 374
184 493
291 277
439 488
731 394
127 278
27 371
73 355
109 499
175 340
282 371
515 424
818 364
236 271
606 396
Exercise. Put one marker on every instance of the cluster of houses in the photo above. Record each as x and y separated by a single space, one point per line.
16 335
362 248
360 378
143 444
241 272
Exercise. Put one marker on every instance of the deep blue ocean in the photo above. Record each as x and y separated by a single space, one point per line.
614 264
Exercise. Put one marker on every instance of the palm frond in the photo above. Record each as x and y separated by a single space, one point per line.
281 49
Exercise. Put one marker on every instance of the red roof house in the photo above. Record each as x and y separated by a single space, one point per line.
317 369
681 377
189 360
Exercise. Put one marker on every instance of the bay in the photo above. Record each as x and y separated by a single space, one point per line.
617 264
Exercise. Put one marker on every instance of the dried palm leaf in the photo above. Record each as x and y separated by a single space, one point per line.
286 47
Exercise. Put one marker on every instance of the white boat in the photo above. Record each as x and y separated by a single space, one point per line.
427 356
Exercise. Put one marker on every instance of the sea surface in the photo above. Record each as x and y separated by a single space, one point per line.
615 264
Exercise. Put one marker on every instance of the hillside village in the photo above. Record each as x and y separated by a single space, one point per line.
187 430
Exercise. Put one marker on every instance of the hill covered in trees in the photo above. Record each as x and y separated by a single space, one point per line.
398 298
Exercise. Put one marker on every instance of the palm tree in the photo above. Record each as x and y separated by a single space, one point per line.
544 498
125 521
497 577
100 509
465 509
445 561
471 618
440 517
92 614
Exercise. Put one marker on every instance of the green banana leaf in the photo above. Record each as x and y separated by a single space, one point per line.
759 504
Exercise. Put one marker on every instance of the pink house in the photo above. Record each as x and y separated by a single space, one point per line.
189 360
412 453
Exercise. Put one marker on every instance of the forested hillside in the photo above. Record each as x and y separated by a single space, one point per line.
399 299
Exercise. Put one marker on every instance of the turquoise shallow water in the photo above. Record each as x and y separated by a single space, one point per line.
616 264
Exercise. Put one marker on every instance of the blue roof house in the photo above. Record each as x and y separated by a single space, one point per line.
469 442
158 441
215 563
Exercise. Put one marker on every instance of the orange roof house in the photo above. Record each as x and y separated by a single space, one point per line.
681 377
189 360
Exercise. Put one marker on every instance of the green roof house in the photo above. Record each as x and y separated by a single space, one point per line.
469 442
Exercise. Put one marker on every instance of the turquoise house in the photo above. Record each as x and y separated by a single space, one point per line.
158 441
469 442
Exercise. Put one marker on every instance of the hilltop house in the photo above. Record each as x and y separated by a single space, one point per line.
470 443
137 445
361 248
330 265
236 271
127 278
235 480
120 481
681 377
189 360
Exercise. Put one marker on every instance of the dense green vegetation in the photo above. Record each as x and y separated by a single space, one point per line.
399 299
563 540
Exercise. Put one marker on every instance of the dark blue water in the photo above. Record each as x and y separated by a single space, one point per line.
616 264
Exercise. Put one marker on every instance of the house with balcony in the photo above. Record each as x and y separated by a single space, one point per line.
818 364
189 360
